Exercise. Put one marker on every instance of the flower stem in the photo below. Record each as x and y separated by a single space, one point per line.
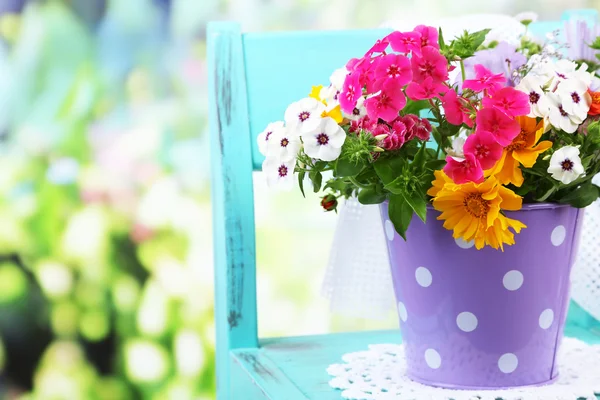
462 70
355 182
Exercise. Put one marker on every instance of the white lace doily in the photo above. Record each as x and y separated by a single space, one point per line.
378 374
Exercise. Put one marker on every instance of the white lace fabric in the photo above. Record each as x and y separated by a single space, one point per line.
379 374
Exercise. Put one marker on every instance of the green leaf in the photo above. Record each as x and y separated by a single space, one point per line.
587 160
414 107
547 194
317 179
388 169
345 167
417 203
479 37
400 213
436 136
370 196
595 44
420 157
466 45
434 165
583 196
397 186
301 176
441 40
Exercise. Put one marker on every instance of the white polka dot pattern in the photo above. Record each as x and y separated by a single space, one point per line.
508 363
558 235
466 321
460 242
546 318
433 359
513 280
402 311
423 276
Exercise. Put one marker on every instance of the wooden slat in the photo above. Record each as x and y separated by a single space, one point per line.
263 374
232 198
282 67
304 359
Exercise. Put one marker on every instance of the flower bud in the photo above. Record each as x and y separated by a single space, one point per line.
329 202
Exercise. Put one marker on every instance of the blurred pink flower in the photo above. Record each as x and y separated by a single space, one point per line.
484 80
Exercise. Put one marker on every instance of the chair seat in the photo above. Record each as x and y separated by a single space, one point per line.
293 368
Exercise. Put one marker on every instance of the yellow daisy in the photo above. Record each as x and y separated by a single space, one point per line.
473 211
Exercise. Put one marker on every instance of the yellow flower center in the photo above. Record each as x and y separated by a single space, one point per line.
596 97
476 205
519 142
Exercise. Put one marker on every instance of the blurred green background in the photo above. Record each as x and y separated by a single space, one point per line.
105 239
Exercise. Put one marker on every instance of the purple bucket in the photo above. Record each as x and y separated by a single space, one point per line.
484 319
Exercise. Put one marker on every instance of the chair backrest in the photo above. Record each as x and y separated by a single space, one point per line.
252 79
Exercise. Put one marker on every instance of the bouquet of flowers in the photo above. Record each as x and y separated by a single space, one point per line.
472 130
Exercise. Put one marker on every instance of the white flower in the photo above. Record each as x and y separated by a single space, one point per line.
565 165
559 117
540 66
304 116
526 17
338 77
329 95
456 150
326 142
283 145
264 136
532 85
574 97
280 174
359 110
566 69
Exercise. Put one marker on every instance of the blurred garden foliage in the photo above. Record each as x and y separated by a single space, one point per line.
104 292
105 244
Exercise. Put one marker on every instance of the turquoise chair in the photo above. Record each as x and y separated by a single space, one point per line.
252 79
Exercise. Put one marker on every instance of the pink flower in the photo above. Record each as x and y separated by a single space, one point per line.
510 101
405 42
387 103
351 91
456 113
378 47
464 170
393 66
428 89
396 136
484 80
501 126
430 64
429 36
416 127
484 148
365 124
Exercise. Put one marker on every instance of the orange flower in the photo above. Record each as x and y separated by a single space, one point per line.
595 107
522 151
